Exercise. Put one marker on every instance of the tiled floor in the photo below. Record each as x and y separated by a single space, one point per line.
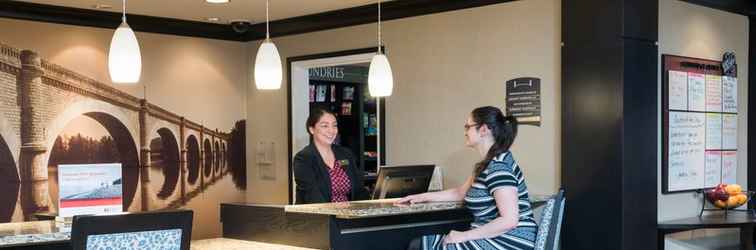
231 244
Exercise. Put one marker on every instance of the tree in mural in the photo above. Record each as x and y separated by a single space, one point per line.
80 150
236 154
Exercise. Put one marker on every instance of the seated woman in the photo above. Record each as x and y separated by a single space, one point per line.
495 194
323 171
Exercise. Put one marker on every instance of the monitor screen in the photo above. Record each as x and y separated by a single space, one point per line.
400 181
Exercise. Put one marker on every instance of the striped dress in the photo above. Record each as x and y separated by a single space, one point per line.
501 172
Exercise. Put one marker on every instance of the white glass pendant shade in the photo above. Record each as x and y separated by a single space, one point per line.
124 57
380 77
268 72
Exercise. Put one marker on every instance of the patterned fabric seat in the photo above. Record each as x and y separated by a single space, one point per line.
159 230
547 237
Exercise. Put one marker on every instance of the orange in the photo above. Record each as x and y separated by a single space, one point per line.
742 198
720 204
733 202
733 189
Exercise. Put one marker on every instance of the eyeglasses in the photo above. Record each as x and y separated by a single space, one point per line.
468 126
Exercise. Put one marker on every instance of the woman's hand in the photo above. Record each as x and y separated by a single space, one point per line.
411 199
454 237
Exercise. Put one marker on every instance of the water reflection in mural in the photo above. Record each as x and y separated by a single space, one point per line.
164 159
86 141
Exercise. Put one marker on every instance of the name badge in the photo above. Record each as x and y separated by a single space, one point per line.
344 163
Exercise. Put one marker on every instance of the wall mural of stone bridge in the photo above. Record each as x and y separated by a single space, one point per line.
39 99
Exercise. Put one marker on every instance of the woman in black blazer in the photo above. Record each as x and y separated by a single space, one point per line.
323 171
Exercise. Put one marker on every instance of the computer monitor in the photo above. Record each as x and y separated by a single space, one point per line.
400 181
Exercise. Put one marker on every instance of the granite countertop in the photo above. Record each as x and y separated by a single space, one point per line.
32 232
232 244
384 207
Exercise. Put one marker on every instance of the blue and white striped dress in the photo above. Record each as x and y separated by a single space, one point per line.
501 172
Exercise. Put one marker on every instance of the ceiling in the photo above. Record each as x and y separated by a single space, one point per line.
199 10
189 17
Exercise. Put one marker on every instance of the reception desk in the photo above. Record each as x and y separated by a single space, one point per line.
34 235
374 224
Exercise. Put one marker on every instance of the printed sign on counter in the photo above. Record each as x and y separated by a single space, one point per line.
90 189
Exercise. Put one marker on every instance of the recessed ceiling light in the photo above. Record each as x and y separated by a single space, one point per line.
213 19
102 6
217 1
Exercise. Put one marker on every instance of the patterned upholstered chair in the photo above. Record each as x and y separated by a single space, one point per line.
170 230
547 237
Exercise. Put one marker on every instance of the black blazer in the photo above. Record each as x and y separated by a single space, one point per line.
312 178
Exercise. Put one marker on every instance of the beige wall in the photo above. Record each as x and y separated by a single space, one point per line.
694 31
204 80
444 65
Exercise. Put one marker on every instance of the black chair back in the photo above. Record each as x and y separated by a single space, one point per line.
144 230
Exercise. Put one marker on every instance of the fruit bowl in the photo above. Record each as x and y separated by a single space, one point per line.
725 196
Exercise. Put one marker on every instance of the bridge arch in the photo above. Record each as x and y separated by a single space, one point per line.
207 150
121 127
9 177
224 153
217 155
164 154
193 159
11 138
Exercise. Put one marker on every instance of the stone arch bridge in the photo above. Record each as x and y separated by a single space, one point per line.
38 99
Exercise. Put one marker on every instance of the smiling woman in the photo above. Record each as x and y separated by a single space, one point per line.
323 171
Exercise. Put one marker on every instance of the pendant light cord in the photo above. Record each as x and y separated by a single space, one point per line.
267 20
124 11
379 28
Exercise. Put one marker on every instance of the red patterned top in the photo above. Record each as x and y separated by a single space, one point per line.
340 183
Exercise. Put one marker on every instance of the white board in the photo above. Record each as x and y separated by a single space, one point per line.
729 167
696 92
686 144
713 131
713 168
729 132
729 94
713 93
678 90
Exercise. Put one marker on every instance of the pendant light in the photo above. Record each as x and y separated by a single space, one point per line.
124 57
268 70
380 78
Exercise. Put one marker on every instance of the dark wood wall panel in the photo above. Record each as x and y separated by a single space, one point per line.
640 145
609 126
751 105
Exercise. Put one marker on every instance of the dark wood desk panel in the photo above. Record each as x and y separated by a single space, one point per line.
734 219
269 223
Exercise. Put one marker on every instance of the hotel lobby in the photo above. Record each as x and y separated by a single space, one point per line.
190 122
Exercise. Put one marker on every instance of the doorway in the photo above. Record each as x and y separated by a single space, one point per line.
337 81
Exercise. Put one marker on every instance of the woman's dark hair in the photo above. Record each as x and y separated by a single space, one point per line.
503 129
315 116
